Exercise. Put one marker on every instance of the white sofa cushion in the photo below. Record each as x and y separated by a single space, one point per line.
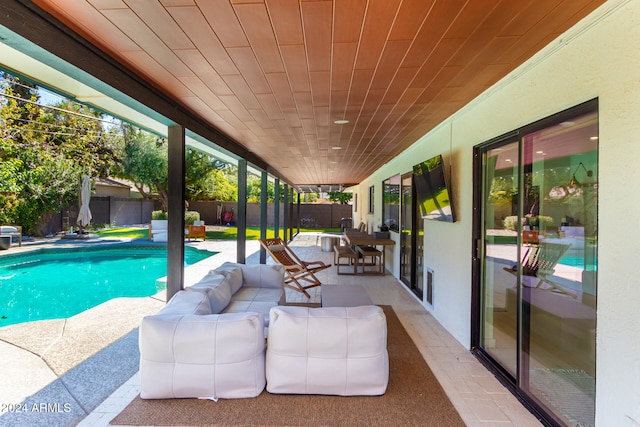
258 294
262 307
330 350
183 303
216 287
208 356
252 275
233 273
263 276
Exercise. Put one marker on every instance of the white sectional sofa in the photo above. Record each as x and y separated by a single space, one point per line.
209 340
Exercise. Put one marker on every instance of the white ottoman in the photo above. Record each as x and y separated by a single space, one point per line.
329 350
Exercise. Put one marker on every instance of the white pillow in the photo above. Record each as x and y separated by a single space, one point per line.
216 288
183 303
233 273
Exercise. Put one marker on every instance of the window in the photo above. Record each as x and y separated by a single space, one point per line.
391 202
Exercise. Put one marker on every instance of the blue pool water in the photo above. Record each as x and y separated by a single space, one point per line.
578 261
59 283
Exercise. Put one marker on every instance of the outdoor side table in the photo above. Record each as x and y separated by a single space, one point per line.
328 241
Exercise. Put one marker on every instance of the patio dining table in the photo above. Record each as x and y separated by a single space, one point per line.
360 239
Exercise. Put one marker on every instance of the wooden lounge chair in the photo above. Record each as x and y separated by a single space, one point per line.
295 269
538 263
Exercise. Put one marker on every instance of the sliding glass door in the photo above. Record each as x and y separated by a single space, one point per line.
499 310
536 262
411 238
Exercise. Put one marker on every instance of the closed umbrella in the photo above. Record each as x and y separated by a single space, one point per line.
84 216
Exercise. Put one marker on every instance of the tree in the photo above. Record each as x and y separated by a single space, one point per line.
222 186
43 152
254 190
340 197
201 178
145 163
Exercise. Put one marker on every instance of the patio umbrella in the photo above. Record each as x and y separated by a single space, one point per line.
84 216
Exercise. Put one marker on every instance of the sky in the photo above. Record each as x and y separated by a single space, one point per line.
48 97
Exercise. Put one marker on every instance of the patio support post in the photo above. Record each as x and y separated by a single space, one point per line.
298 214
285 217
291 217
276 209
176 194
263 214
241 215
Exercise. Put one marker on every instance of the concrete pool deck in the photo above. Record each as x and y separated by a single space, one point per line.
56 372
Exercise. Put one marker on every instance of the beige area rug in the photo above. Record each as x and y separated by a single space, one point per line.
413 398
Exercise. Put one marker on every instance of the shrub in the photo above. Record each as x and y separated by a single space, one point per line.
510 223
540 221
544 220
159 215
190 217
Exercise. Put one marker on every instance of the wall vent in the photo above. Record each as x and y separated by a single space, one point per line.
430 286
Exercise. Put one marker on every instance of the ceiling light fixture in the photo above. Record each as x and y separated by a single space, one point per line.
574 182
341 122
337 147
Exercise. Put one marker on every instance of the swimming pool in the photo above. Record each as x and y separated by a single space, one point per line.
577 261
59 283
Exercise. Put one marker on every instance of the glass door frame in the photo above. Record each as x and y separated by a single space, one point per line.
511 382
413 227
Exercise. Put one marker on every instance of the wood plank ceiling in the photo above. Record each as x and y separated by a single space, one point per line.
275 75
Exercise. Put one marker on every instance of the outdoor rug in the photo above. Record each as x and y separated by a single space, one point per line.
414 397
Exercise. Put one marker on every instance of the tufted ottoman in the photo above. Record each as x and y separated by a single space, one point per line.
329 350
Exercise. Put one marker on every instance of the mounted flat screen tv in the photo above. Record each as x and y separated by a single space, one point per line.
432 191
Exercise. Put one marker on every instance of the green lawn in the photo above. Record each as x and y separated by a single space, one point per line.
229 233
124 232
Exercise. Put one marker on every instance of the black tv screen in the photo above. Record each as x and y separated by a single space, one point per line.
432 191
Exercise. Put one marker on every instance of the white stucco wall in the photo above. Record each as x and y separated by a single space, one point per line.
598 58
